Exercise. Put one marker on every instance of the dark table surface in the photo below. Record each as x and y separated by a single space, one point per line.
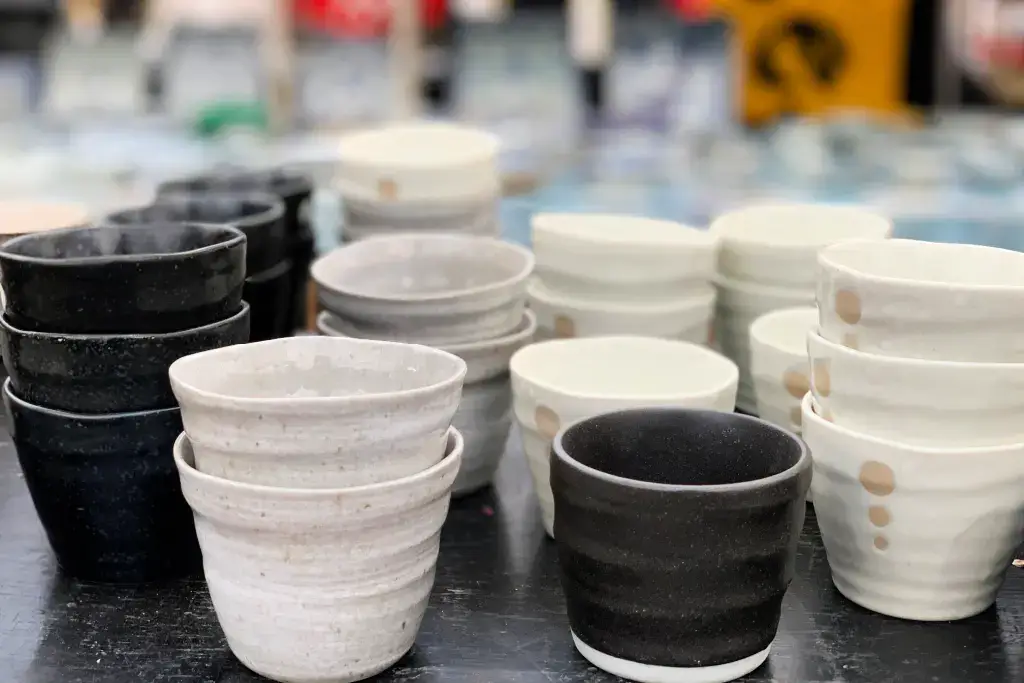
496 615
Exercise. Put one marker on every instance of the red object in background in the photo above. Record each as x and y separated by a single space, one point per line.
692 10
361 18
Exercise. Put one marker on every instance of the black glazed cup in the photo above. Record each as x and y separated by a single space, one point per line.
97 374
677 533
123 279
268 293
106 491
260 217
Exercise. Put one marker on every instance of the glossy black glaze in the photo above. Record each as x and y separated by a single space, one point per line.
106 491
123 279
677 532
268 294
100 374
260 217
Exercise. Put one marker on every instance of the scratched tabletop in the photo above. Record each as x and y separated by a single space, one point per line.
496 615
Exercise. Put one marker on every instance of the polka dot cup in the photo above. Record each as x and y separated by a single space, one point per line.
914 532
779 365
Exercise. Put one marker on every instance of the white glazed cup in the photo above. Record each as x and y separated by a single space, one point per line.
315 585
918 402
374 219
779 364
953 302
913 532
621 258
484 419
778 244
686 318
560 381
317 412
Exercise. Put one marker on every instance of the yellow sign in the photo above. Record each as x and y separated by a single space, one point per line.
811 57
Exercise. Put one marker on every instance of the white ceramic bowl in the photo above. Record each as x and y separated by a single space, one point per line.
778 244
779 364
320 585
621 258
913 532
484 359
428 289
484 419
560 381
953 302
687 318
362 220
317 412
920 402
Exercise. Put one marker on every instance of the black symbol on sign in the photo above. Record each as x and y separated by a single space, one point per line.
817 45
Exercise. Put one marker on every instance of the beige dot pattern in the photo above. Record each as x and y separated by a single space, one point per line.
848 306
822 377
878 479
387 189
881 543
547 421
850 341
565 328
879 515
796 383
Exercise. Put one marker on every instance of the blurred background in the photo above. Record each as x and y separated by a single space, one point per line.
668 108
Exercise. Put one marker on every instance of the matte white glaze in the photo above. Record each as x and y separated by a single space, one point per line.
923 402
484 419
912 299
913 532
324 585
558 382
427 289
317 412
779 364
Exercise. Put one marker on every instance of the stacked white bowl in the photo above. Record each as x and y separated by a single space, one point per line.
419 177
914 421
463 294
319 472
603 274
767 261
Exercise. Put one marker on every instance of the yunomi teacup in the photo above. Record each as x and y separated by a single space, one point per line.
677 533
779 363
318 412
557 382
324 585
950 302
915 532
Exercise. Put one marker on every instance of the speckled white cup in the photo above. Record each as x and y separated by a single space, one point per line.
320 585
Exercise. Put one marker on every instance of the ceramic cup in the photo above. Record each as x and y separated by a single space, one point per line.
910 531
145 279
427 289
953 302
621 258
25 217
935 403
779 364
103 373
317 412
559 381
269 294
687 317
677 533
320 585
778 244
106 491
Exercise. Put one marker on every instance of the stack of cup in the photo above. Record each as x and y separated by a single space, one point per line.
319 471
419 177
606 274
767 261
462 294
93 318
914 421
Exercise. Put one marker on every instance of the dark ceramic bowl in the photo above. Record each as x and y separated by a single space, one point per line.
106 491
99 374
260 217
268 294
123 279
677 532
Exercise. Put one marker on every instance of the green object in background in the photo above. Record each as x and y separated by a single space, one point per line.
224 116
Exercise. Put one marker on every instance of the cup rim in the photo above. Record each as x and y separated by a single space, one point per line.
803 462
271 211
787 317
686 238
453 452
82 417
704 296
757 287
284 182
814 337
761 239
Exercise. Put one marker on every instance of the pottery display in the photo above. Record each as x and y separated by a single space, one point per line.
19 218
912 299
325 585
317 412
269 293
123 279
260 217
779 363
426 289
106 491
677 533
915 532
560 381
936 403
103 373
